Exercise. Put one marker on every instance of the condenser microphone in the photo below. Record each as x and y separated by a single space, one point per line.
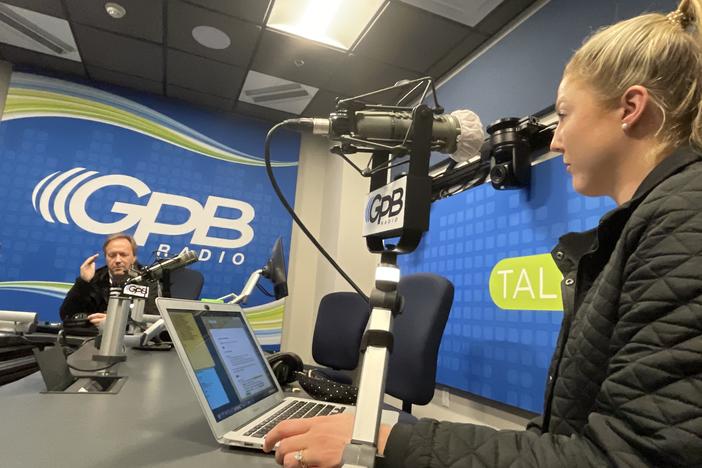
155 271
460 133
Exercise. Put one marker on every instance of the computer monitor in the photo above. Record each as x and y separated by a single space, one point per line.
274 270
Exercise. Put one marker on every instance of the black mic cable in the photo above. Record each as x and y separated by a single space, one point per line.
281 197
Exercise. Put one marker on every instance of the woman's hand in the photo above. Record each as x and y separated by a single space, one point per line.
319 441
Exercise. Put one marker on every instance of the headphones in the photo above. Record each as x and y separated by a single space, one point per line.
285 366
288 368
320 387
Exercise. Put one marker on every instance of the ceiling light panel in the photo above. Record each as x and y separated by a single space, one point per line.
276 93
36 31
337 23
468 13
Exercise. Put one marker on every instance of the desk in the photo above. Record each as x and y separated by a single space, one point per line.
155 420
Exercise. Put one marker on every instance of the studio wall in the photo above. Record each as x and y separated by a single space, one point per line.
80 161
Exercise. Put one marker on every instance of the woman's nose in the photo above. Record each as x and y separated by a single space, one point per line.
556 143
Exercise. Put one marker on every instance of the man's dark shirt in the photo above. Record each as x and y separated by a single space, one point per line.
89 297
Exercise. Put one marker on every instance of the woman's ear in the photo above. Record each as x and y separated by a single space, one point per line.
634 103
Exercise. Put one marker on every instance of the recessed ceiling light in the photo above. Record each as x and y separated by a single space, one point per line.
115 10
211 38
334 22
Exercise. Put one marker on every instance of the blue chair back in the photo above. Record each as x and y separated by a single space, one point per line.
341 320
418 331
185 283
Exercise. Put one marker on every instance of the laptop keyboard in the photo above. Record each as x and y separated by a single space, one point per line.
294 410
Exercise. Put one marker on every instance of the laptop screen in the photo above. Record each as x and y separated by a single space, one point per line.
225 359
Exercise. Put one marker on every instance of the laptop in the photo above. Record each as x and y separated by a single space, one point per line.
236 388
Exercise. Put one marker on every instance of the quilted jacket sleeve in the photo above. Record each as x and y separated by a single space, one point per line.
436 444
648 411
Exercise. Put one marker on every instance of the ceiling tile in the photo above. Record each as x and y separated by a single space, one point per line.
277 54
120 53
144 19
503 14
201 99
183 17
405 42
198 73
263 113
122 79
409 37
360 75
468 13
48 7
249 10
456 55
30 58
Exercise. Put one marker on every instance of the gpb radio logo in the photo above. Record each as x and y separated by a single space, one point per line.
384 207
136 290
65 194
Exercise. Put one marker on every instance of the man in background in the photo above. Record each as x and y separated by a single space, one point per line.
88 297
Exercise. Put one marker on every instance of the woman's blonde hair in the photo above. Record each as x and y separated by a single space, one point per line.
661 52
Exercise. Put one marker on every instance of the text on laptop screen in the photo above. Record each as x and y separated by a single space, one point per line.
225 359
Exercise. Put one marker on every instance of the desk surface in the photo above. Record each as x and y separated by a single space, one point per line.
155 420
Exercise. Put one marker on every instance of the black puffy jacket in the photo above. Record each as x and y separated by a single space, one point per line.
625 383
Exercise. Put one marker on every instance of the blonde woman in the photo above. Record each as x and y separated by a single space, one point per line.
625 384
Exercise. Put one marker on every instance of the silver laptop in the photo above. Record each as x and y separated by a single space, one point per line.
234 384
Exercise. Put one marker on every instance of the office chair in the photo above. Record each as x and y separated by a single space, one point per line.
341 320
418 330
417 335
185 283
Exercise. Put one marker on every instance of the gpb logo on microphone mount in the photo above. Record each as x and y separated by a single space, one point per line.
73 188
136 290
384 207
385 210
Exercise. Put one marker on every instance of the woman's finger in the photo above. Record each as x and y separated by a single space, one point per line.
288 428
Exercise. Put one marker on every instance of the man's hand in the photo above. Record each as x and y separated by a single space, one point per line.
320 441
97 318
87 269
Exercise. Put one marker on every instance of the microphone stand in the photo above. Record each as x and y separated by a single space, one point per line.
385 301
111 345
121 300
235 298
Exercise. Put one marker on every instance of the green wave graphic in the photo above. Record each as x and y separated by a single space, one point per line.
266 316
44 285
44 288
24 103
